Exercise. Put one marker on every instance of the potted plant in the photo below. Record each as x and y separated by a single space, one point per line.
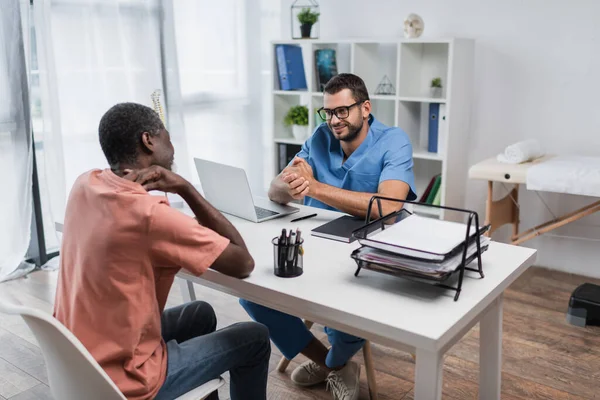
297 117
307 19
436 87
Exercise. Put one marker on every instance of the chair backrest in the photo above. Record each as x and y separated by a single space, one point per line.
72 371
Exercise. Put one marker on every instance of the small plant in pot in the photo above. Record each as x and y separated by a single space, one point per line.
307 19
297 117
436 87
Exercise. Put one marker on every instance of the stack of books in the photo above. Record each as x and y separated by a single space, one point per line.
422 247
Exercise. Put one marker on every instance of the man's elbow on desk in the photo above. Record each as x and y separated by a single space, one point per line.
235 261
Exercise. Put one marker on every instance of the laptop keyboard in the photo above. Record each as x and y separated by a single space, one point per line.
264 213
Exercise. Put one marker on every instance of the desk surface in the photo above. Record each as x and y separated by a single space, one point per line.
386 309
390 310
494 170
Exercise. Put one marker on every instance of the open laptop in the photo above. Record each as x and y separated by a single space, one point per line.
227 189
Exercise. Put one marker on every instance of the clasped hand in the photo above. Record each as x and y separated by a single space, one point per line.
156 178
299 178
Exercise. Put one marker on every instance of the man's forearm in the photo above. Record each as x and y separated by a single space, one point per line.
354 203
209 216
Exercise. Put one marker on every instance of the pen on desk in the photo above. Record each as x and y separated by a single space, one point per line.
290 254
305 217
281 249
296 248
282 237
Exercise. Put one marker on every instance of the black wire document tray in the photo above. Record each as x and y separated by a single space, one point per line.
416 264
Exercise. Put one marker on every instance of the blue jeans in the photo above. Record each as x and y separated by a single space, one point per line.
291 336
196 353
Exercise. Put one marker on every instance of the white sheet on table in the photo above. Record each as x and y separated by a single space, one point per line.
566 174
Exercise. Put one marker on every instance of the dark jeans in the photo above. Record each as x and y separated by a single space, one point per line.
197 353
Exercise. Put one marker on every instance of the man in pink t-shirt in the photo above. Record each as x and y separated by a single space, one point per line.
120 252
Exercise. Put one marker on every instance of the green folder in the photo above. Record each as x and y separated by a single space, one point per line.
434 190
438 197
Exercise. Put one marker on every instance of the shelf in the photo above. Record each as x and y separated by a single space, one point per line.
290 92
422 99
430 211
382 97
426 155
410 65
289 141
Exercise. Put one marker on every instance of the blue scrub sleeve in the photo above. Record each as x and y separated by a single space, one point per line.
398 165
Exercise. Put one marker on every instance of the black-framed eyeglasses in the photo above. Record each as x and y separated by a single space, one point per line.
340 112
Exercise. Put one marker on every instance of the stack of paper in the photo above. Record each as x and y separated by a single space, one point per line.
421 245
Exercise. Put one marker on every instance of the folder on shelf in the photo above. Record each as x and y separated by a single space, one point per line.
438 197
287 152
290 67
442 130
432 138
423 198
434 190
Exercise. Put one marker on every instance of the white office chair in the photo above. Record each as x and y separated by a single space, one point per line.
72 371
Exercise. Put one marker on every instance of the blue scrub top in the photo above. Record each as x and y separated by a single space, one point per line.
386 153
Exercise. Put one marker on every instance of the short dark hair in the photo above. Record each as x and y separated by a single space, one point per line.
121 129
348 81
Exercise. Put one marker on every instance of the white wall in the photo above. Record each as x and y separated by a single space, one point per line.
536 76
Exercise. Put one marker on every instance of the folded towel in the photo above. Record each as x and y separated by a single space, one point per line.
520 152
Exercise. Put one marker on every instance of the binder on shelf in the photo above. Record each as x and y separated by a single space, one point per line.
432 138
449 252
437 200
287 152
425 194
435 189
442 130
290 67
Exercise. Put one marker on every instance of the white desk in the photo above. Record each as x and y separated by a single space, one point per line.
407 315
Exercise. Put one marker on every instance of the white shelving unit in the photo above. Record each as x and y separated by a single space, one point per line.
410 64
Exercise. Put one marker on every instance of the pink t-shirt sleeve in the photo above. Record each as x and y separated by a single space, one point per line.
177 240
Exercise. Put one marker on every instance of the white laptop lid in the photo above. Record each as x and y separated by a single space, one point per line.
226 188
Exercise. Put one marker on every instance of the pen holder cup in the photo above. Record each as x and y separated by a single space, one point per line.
287 258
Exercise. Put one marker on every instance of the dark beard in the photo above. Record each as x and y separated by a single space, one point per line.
353 132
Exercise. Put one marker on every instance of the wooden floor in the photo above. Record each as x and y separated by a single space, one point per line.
543 356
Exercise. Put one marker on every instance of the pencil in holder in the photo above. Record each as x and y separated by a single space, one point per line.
288 258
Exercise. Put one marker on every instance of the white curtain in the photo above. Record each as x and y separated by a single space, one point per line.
15 143
210 59
91 54
224 68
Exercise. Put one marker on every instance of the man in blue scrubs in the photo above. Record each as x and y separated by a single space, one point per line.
341 166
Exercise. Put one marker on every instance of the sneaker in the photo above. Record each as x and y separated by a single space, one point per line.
344 384
309 373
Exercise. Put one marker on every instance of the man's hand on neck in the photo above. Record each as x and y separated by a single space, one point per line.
157 178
